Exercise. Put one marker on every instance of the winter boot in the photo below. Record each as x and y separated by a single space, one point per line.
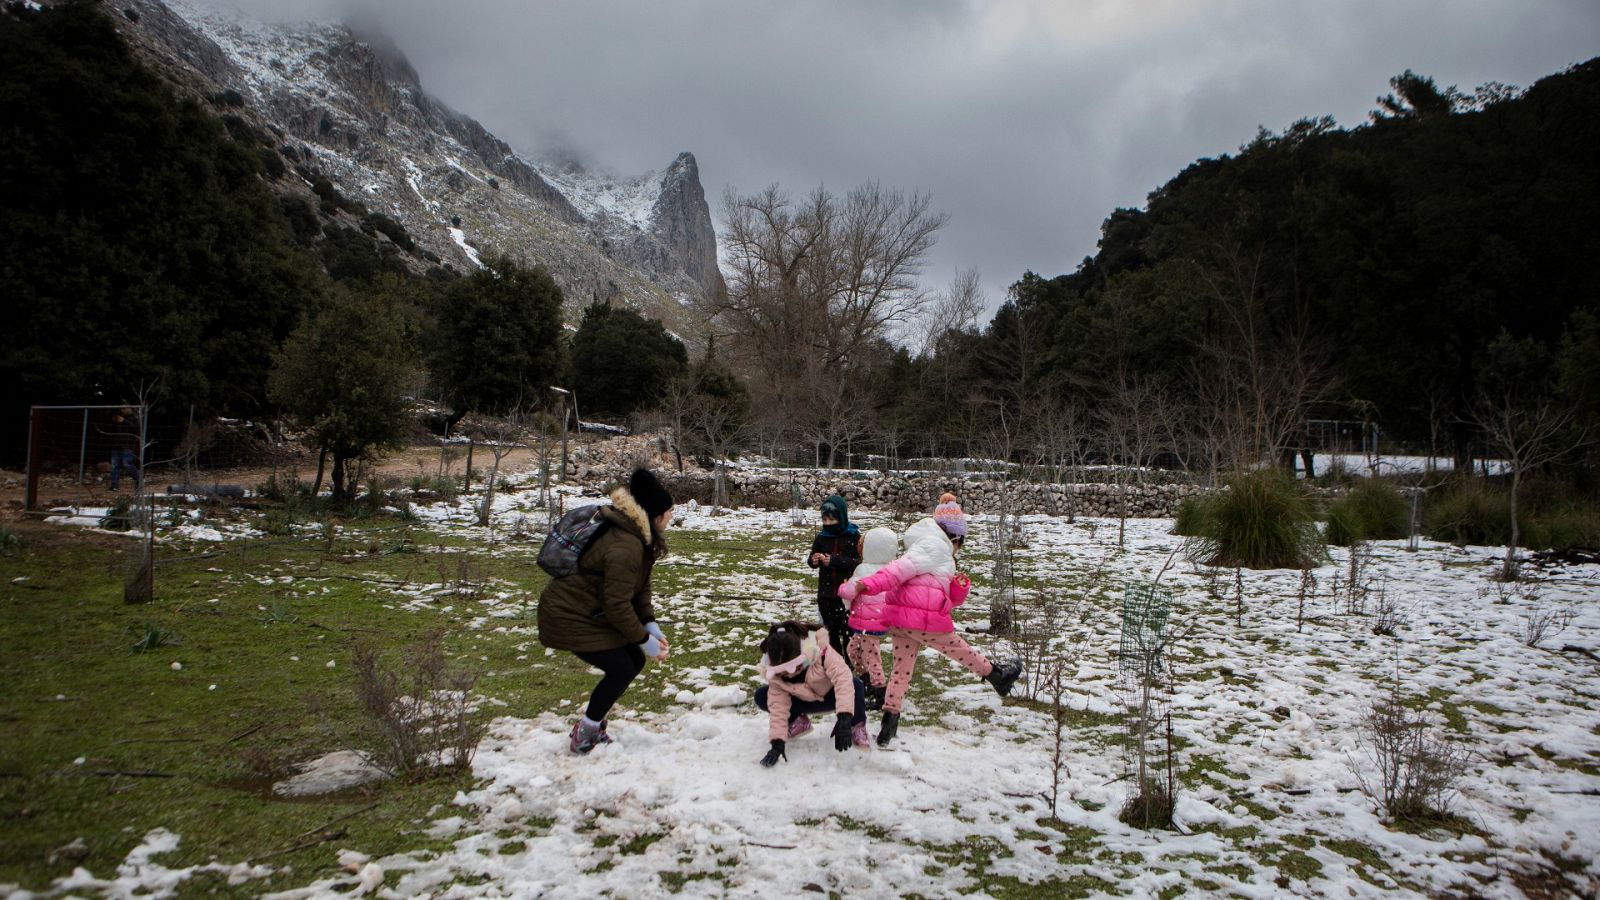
1004 675
858 736
584 737
875 695
799 725
890 726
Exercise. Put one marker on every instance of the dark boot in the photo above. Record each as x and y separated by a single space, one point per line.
1004 675
875 697
891 725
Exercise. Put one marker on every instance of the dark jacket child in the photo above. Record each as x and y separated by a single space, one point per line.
603 613
835 553
804 675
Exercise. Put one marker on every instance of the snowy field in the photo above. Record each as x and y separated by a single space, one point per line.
1387 465
1267 718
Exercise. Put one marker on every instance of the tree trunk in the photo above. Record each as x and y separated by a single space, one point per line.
1310 461
322 461
488 494
338 477
1508 571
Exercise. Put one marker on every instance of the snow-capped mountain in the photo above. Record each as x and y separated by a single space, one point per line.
349 107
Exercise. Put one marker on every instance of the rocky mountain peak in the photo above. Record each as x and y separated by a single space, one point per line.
345 104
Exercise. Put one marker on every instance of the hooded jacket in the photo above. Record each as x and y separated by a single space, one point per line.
825 671
921 587
841 543
878 549
606 604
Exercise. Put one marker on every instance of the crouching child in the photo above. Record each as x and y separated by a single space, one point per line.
805 675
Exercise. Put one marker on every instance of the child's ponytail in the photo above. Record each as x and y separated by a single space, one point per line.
784 639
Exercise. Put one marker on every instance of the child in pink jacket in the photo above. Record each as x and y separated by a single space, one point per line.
878 548
805 675
921 589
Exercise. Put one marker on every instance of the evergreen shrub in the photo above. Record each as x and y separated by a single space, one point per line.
1469 512
1575 526
1372 511
1264 520
1191 515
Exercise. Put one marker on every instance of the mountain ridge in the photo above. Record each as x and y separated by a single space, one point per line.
344 103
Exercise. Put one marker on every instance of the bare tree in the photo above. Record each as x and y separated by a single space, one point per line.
1265 368
1059 433
1530 434
720 423
821 277
500 436
837 408
999 444
957 309
675 410
1129 423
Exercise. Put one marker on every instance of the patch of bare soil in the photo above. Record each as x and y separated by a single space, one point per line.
63 489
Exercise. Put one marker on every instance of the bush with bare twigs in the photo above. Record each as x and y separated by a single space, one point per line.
1414 770
422 709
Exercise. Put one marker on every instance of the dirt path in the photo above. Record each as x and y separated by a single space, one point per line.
420 459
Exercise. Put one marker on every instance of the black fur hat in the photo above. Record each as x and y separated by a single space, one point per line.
649 493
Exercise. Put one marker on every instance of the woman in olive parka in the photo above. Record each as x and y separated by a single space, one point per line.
603 613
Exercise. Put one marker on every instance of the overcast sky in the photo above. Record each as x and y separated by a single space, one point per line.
1027 121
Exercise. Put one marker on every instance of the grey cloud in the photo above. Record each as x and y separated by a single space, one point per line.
1027 121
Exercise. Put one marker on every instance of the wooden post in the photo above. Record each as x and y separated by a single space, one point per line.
563 478
83 445
35 448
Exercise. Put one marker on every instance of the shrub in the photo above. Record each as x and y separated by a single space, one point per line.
1469 512
279 488
1151 808
1572 527
120 516
1372 511
1262 521
1191 516
422 710
279 522
1344 529
1417 771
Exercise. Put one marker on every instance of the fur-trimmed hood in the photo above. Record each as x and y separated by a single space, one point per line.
629 512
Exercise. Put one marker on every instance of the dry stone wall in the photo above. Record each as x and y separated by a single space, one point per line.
901 491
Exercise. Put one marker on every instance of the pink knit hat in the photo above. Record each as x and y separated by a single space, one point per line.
948 515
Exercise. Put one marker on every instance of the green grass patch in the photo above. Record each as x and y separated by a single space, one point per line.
162 748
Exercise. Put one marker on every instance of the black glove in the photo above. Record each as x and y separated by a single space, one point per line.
841 733
773 755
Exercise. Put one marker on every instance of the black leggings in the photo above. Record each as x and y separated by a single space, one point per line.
836 619
621 666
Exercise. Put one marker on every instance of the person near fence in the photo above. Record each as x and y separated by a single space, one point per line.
125 437
879 547
603 613
921 589
804 675
835 553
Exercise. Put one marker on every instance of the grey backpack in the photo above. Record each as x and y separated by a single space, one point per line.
571 535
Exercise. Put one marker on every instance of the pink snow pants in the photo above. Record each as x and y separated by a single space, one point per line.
866 655
906 645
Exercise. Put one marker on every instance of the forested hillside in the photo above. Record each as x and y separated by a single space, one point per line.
1398 272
